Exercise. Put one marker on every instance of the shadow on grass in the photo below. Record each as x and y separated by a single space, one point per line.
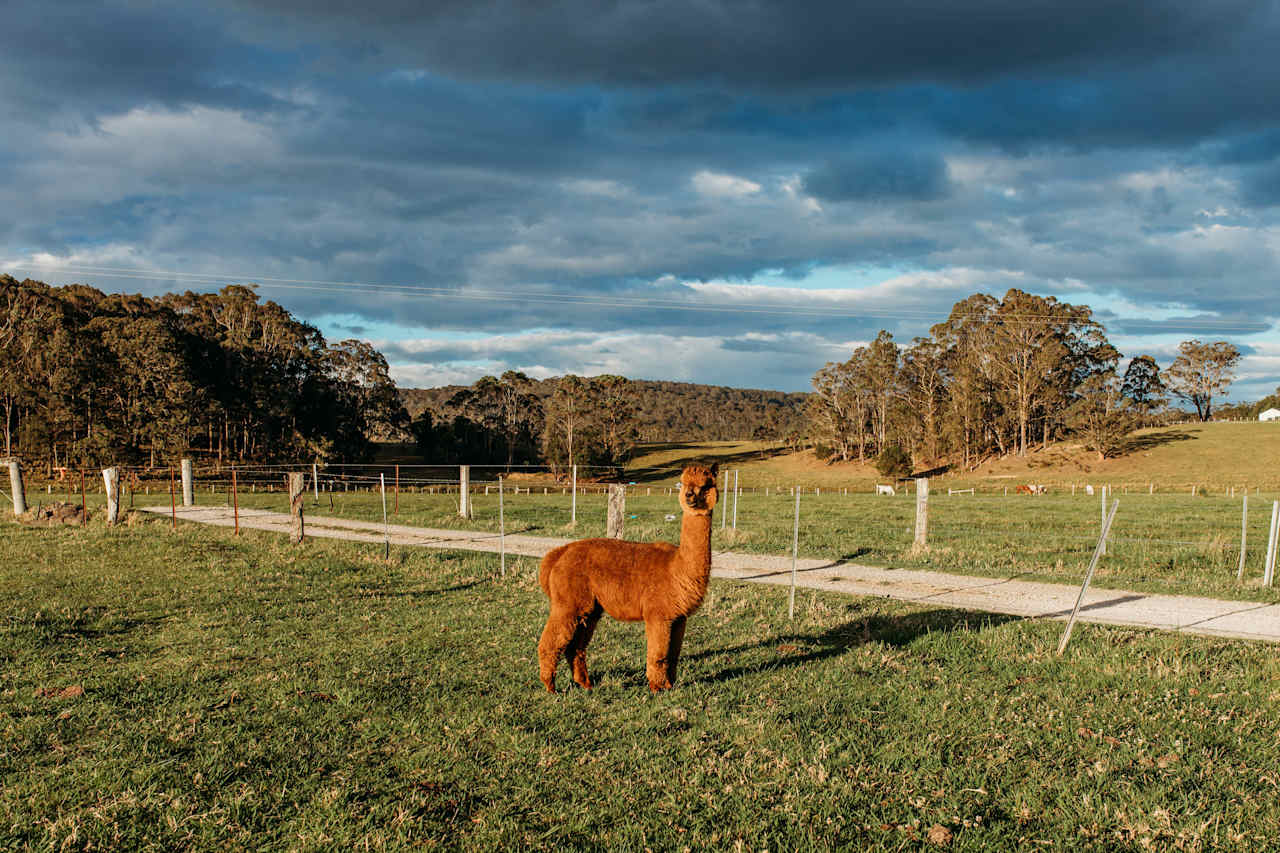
795 649
670 470
1134 443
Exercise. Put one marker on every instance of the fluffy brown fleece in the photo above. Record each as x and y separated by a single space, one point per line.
658 583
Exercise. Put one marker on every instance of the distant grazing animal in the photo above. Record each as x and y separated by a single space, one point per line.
885 490
657 583
1031 489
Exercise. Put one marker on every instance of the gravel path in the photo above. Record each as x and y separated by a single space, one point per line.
1215 617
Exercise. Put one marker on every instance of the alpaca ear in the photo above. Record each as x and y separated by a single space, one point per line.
715 469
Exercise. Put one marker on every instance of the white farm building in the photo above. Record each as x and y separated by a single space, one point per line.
1270 415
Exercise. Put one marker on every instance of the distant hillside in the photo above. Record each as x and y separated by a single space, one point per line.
676 411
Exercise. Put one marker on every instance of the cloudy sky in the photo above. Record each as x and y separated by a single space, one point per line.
726 191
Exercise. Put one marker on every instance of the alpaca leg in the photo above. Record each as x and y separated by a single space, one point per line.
555 638
673 649
658 635
577 651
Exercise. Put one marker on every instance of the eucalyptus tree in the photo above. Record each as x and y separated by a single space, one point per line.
1202 372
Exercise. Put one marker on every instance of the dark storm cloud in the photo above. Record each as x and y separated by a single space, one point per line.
881 175
638 151
776 44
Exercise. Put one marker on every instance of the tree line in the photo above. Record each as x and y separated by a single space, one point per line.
997 377
513 419
89 378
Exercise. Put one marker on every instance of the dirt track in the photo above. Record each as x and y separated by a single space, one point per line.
1215 617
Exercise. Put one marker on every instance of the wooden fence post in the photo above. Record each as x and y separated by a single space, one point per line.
464 491
736 493
573 505
235 500
297 486
111 486
315 482
15 483
922 513
188 489
617 511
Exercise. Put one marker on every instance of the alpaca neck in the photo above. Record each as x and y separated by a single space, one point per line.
695 544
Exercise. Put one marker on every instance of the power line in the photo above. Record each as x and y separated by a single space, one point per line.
562 297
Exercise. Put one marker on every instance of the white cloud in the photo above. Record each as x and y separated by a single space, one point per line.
720 185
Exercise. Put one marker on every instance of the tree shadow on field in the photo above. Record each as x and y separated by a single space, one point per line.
671 470
794 649
1134 443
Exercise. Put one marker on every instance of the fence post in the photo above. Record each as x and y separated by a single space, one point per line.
1103 546
573 505
386 533
297 486
111 487
502 528
1244 529
15 483
173 501
1097 552
736 493
617 511
315 483
464 491
922 512
235 500
795 555
397 510
1269 574
188 489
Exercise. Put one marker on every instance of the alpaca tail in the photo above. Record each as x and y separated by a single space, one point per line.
544 570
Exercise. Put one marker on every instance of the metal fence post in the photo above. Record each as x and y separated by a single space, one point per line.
795 552
1097 552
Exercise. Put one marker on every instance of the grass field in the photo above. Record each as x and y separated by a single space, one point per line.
1209 455
1163 543
192 690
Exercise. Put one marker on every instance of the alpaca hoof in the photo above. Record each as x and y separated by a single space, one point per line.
659 686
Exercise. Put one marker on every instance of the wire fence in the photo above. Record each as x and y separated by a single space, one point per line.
1194 541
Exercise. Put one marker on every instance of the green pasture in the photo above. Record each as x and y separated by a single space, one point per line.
1170 543
190 690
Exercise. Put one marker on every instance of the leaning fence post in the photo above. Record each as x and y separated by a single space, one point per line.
502 528
1269 574
297 485
922 512
188 489
1104 519
795 553
617 511
1244 529
15 483
111 487
464 491
1093 564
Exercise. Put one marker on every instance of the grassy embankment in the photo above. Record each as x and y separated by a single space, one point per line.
241 693
1211 455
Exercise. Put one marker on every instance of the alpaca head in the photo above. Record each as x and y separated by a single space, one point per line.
698 491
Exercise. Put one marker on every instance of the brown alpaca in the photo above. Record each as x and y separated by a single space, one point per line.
658 583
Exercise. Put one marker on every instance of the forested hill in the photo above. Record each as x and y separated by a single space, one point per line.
673 411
